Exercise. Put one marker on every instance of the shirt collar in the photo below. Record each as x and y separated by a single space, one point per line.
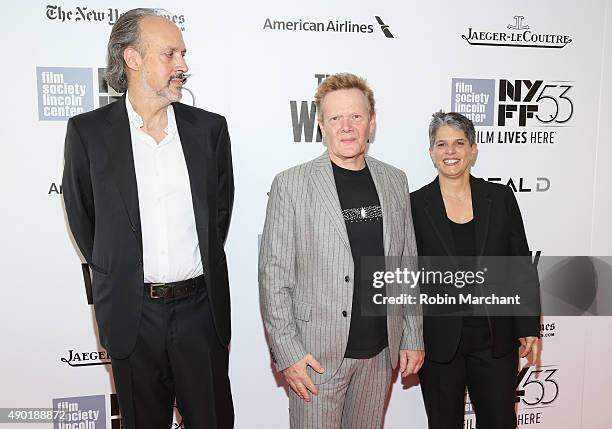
136 119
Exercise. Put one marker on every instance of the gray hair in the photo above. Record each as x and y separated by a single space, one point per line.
454 120
125 33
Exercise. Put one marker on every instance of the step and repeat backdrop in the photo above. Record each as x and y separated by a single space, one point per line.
533 76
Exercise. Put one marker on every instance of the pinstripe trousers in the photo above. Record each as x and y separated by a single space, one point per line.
353 398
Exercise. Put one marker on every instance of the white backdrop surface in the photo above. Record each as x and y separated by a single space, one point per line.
252 74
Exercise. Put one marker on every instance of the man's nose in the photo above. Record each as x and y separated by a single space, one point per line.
345 124
181 64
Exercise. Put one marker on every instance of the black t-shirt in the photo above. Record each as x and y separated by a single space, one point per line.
364 224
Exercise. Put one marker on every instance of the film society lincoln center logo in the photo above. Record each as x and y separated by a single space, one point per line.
64 92
87 412
90 412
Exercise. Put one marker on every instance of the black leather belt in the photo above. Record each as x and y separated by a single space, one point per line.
175 289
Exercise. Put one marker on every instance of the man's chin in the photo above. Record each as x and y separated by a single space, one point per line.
172 96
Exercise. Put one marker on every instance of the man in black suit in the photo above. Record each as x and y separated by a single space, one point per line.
148 189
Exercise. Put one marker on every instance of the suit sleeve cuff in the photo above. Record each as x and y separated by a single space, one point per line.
287 355
412 339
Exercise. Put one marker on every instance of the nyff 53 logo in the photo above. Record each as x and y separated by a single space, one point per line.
513 102
537 386
547 102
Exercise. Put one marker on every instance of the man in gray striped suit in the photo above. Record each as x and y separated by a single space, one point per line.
324 219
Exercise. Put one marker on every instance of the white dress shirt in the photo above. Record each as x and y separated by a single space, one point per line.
170 247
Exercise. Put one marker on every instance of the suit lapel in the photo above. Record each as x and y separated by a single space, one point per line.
382 189
436 213
196 159
118 140
119 143
481 206
324 184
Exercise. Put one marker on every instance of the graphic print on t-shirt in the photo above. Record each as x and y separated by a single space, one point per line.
362 214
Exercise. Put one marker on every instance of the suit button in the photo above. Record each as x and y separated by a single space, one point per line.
344 313
347 279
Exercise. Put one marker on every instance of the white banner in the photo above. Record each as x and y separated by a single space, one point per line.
532 75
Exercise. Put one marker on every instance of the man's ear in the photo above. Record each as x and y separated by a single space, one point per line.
132 58
372 126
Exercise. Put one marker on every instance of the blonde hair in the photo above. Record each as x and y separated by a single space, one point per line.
339 81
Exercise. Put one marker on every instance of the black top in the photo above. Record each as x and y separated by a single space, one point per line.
364 224
464 237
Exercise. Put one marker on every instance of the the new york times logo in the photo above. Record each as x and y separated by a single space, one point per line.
521 36
333 26
93 358
304 118
87 14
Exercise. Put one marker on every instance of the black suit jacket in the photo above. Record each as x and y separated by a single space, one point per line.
101 199
499 232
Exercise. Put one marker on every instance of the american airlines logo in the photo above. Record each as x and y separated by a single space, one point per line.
328 26
384 28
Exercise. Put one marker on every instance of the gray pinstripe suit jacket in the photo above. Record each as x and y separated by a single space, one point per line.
305 256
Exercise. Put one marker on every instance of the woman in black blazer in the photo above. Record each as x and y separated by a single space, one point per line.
463 217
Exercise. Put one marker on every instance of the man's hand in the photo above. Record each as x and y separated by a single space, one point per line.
298 378
530 345
411 361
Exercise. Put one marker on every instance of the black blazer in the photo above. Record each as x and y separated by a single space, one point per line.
101 199
499 232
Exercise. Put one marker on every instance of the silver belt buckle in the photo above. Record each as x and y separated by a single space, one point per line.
156 288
